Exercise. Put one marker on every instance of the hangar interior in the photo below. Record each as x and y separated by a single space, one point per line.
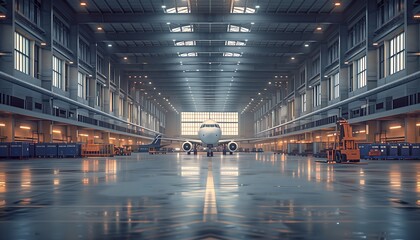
282 72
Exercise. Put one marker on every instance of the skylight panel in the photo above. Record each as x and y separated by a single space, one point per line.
178 10
242 10
234 43
190 54
231 54
186 28
185 43
234 28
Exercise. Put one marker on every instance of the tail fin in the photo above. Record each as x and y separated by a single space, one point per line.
156 141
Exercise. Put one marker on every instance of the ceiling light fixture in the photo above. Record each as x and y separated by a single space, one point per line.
337 4
83 4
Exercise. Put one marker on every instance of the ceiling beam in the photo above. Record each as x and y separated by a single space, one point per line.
138 61
261 67
214 18
204 75
209 49
221 36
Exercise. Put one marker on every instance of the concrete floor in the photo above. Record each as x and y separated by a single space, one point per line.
176 196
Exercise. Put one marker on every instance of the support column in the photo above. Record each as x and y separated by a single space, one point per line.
46 130
71 133
411 131
373 129
7 132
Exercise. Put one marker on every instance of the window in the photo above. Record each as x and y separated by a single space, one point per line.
361 72
333 52
302 77
303 102
185 43
381 61
291 110
31 9
397 54
235 28
178 10
235 43
190 54
57 78
99 94
61 33
82 86
351 78
357 33
22 53
111 101
99 64
84 53
242 10
120 106
316 66
192 121
37 64
388 9
316 95
230 54
334 86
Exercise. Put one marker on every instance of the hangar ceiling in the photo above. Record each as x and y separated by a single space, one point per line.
209 55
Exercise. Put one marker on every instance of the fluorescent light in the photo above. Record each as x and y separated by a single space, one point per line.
111 138
83 4
395 127
362 131
2 125
25 127
318 137
2 15
417 124
56 131
83 135
95 136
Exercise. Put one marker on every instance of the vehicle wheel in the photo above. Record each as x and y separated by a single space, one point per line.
211 154
344 158
338 157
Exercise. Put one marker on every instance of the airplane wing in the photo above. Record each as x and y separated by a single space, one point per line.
193 141
247 140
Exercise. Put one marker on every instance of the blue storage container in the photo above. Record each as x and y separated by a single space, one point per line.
415 150
19 149
4 150
51 150
40 150
31 150
364 150
405 150
394 150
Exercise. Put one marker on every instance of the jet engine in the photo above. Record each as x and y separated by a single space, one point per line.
232 146
187 146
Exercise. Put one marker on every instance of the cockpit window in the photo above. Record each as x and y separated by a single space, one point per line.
202 125
217 125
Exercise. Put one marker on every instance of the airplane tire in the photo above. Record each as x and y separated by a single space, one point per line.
231 153
344 158
208 154
211 154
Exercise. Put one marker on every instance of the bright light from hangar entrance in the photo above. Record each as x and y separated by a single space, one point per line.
191 122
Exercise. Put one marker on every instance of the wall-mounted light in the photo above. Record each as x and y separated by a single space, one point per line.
83 135
395 127
318 137
418 124
111 138
25 127
2 125
2 15
43 44
83 4
57 131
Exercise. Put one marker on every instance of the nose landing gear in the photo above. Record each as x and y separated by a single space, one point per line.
210 153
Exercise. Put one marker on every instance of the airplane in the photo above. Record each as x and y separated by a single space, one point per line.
209 136
155 144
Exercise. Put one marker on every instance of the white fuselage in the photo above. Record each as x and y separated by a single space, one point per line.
210 133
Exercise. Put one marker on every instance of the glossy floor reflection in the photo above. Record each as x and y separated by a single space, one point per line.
176 196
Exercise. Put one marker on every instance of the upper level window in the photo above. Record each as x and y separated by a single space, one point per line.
84 51
31 9
388 9
316 66
397 54
357 33
334 86
22 54
316 95
333 52
361 72
99 64
303 102
61 33
82 85
57 78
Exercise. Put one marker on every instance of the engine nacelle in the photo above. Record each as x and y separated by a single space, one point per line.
187 146
232 146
